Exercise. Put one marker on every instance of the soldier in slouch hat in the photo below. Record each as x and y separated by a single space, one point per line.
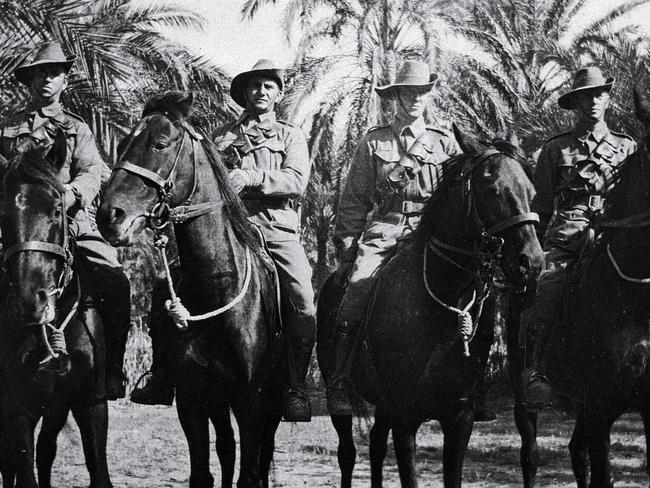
394 172
46 77
574 172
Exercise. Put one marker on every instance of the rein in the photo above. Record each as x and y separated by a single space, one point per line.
162 214
635 221
489 252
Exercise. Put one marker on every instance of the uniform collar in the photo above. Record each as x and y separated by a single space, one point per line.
250 119
415 127
37 115
599 131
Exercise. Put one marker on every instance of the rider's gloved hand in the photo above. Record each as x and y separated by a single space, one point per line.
241 178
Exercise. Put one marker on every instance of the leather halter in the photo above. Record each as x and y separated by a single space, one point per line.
162 213
60 250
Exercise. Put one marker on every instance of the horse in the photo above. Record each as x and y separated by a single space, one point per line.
604 337
43 286
413 363
236 357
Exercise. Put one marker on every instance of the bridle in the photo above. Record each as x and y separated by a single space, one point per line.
490 243
162 213
488 252
62 251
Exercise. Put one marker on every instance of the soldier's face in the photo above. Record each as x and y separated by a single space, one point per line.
592 104
411 101
48 82
262 93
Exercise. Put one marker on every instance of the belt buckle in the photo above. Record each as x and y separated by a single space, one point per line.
596 202
407 207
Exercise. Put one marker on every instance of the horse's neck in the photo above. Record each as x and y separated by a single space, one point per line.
452 229
209 242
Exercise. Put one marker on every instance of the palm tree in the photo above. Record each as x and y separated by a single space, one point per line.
123 58
530 49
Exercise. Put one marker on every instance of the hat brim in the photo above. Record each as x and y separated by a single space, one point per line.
566 100
239 83
22 73
388 90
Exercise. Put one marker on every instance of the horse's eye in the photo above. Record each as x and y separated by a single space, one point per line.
56 214
160 146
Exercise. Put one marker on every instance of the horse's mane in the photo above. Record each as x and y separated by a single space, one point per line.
451 172
178 105
631 186
33 168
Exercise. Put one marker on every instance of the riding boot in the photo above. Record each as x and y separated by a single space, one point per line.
159 389
537 391
301 328
339 392
115 312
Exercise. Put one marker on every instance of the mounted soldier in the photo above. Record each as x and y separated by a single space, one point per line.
46 77
574 172
394 171
269 168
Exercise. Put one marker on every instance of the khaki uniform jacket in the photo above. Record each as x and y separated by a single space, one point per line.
559 186
368 200
83 167
275 154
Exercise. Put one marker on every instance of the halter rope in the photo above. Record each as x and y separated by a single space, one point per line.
631 279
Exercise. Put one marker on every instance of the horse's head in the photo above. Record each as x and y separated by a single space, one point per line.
498 193
150 177
35 232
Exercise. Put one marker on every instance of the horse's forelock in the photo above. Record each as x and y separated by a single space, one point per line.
176 103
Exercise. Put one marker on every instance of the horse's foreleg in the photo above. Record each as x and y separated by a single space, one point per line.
250 443
7 459
457 429
93 426
193 416
579 450
404 442
598 427
526 422
53 422
21 438
224 444
378 444
346 452
268 445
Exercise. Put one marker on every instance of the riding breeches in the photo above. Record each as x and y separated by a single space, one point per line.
294 273
377 245
564 242
112 288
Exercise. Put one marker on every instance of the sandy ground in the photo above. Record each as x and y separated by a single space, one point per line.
147 449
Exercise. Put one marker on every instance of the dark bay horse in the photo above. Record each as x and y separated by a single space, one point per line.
603 344
412 364
42 288
168 172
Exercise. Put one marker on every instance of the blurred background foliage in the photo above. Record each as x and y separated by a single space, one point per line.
509 62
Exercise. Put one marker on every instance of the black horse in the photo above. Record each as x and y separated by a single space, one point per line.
413 364
42 290
237 356
603 346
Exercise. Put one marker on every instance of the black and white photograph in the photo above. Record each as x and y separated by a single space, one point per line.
324 243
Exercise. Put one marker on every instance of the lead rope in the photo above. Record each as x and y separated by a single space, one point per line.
51 354
466 327
175 307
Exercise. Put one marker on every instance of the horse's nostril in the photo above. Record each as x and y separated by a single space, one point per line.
41 298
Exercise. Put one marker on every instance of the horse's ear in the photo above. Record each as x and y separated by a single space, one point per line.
468 144
641 105
59 149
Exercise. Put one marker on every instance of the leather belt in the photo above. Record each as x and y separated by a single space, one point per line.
270 202
408 207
